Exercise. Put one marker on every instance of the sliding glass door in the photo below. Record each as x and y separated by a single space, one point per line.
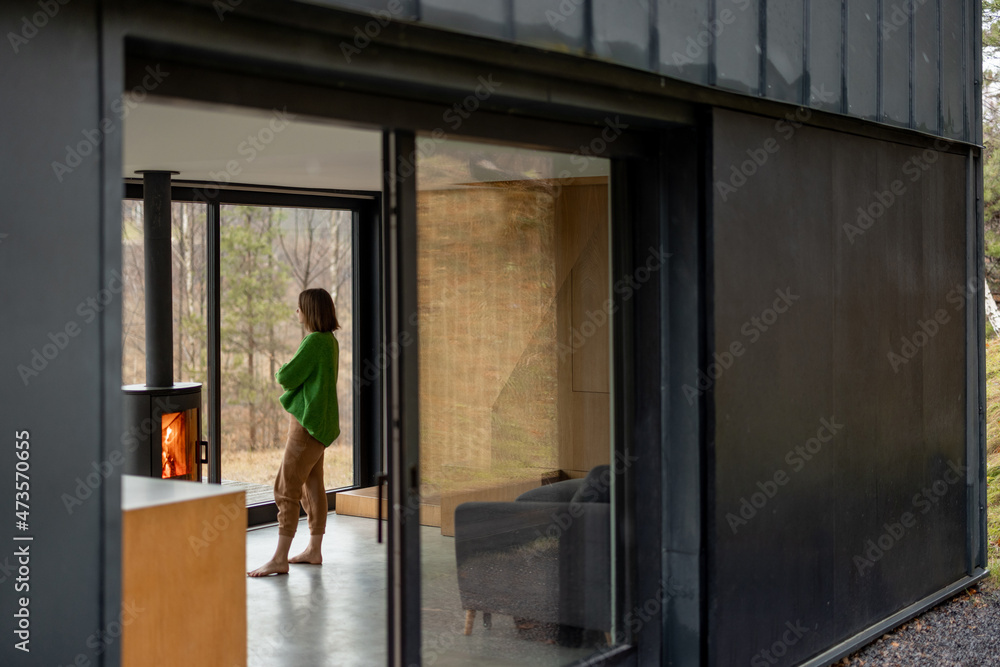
504 282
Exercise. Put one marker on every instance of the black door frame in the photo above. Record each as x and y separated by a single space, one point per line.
365 208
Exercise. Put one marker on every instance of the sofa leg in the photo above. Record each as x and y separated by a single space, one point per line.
607 638
487 619
470 619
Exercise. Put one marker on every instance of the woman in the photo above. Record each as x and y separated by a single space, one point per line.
310 384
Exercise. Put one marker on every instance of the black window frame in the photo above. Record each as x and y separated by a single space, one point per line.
365 207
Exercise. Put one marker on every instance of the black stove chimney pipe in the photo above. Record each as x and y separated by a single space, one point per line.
159 287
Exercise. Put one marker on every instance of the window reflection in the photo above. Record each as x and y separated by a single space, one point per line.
513 282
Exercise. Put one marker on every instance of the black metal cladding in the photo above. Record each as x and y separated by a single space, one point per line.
900 62
840 452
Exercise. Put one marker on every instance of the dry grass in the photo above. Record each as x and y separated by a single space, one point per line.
993 454
260 467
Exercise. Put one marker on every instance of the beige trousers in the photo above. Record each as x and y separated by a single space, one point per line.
300 479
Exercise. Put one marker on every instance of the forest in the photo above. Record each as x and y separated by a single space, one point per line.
268 256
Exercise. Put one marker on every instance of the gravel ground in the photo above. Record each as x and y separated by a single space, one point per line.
963 632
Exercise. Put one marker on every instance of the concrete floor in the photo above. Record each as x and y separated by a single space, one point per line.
335 614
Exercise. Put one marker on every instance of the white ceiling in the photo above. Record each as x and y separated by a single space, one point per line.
200 142
217 143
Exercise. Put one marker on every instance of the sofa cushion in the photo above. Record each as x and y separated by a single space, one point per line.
596 487
557 492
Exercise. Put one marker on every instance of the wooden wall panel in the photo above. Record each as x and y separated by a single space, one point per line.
583 330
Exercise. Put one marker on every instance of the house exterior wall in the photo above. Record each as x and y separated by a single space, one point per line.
783 229
61 331
906 63
840 458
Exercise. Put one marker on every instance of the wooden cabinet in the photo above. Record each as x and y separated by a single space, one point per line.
183 574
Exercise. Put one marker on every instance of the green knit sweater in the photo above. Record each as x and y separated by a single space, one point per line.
310 384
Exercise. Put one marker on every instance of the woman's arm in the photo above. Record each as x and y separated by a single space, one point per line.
295 372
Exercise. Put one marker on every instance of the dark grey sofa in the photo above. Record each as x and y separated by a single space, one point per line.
545 557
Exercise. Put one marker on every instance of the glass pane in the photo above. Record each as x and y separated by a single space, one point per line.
825 55
133 294
784 50
862 58
737 59
952 70
895 30
926 95
189 277
515 399
269 255
686 38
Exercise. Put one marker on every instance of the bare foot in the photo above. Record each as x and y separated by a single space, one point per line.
270 567
310 556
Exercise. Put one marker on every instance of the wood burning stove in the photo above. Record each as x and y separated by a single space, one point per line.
164 426
163 417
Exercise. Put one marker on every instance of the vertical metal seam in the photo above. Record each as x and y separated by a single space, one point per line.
654 36
712 46
940 69
912 37
806 87
880 116
762 56
845 16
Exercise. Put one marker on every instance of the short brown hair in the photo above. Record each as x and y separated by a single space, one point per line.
318 310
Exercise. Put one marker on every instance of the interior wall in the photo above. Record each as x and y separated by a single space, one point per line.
60 308
838 381
583 332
